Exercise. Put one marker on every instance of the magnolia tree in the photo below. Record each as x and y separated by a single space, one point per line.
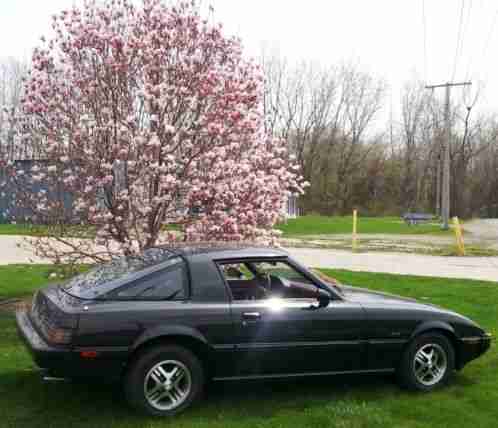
149 115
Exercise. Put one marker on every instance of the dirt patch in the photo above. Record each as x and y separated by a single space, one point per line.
414 244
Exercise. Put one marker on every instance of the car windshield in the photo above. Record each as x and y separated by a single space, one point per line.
91 284
281 270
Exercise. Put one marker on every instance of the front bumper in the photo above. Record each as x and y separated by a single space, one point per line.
473 347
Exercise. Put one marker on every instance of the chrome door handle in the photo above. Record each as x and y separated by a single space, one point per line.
251 316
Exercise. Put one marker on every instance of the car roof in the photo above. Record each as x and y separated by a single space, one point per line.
219 251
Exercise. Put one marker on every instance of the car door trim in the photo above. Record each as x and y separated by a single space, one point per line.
387 341
269 345
264 345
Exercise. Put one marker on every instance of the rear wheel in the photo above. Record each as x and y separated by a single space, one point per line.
428 362
164 380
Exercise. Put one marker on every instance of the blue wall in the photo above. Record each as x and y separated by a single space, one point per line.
9 210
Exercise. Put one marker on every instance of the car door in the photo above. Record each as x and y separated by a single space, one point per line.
276 336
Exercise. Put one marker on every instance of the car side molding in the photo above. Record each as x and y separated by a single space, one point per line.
305 374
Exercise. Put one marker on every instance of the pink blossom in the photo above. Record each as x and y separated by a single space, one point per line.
169 129
172 135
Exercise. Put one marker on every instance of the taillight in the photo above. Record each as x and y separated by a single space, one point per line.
59 336
52 323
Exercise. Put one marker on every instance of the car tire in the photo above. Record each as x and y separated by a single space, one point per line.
427 363
164 380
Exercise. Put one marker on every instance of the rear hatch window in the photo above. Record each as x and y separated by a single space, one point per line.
102 279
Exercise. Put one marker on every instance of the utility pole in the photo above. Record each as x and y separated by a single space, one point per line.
445 194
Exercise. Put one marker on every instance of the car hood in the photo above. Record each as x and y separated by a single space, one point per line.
364 296
368 297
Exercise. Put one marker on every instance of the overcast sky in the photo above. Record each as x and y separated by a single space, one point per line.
385 37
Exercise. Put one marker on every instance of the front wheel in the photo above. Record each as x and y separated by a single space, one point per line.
164 380
428 362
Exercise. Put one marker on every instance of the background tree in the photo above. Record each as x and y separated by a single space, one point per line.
12 72
325 114
332 120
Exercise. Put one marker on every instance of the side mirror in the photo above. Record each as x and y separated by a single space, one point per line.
323 297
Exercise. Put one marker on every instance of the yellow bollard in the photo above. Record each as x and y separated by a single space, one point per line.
459 237
355 235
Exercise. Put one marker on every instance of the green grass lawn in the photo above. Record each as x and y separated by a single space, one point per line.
40 230
321 225
15 229
346 402
20 281
305 225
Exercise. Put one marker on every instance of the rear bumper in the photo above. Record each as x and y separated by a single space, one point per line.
44 355
473 347
67 362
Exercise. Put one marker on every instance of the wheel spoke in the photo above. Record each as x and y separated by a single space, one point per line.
160 396
421 372
178 378
156 377
430 355
156 392
163 372
421 359
173 372
175 395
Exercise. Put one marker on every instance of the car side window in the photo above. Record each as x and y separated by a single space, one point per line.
166 284
282 270
236 271
259 280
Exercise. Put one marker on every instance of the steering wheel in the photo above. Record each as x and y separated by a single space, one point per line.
267 277
285 282
265 281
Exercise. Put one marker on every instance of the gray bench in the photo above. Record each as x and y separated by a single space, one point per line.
413 219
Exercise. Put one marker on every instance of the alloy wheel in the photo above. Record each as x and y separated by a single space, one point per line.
167 385
430 364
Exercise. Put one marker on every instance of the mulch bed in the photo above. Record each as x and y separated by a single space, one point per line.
11 305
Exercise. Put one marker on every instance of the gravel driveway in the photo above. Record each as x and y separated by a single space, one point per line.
484 230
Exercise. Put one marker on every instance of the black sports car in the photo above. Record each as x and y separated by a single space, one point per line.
169 321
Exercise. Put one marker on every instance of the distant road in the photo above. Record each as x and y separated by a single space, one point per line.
12 251
484 268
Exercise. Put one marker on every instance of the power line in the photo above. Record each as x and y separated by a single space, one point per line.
466 27
425 39
479 76
472 51
459 37
490 34
462 45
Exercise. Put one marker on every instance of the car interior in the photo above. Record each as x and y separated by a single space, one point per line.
264 280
